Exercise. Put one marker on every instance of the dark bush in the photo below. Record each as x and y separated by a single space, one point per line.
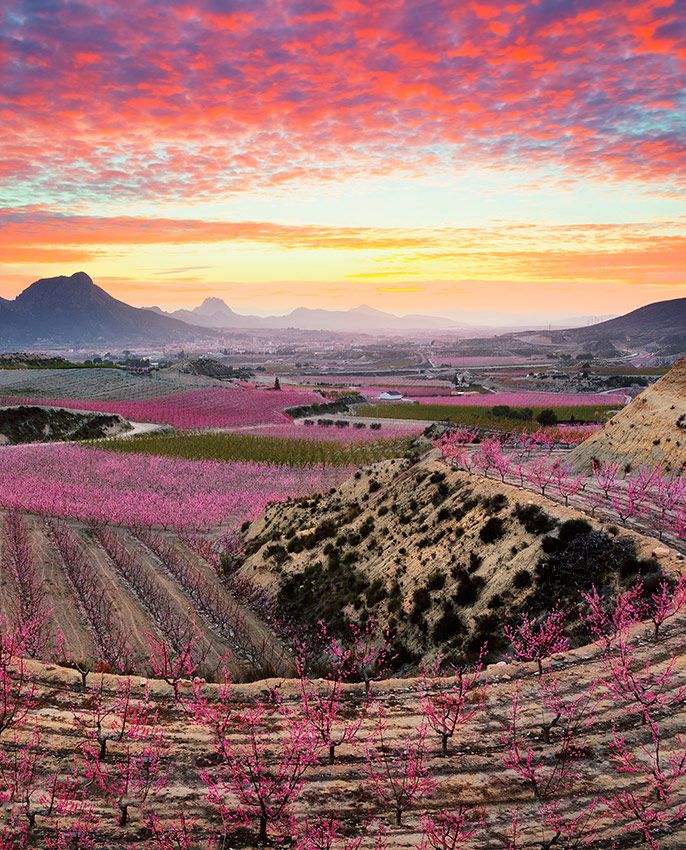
435 580
495 504
493 530
522 579
376 592
550 544
277 553
468 589
534 519
421 599
448 626
547 417
573 528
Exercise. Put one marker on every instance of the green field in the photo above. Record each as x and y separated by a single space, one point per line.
482 417
250 447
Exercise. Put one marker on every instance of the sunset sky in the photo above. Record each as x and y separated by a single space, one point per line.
438 157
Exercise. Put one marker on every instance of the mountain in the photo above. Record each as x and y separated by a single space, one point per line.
661 324
215 313
73 311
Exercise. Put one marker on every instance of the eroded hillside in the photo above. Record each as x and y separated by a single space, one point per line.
441 557
35 424
651 431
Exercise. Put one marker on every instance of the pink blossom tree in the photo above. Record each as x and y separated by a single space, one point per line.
450 830
323 710
109 718
546 773
260 778
363 654
568 484
17 686
605 475
399 776
667 494
129 780
608 619
449 702
542 473
664 603
179 834
534 640
326 833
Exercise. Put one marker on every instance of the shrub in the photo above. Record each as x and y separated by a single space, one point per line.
522 579
534 519
572 528
448 626
421 599
493 530
547 417
495 504
468 589
435 580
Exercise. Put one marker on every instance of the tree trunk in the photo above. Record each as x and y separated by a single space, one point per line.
332 753
398 816
124 819
262 837
444 744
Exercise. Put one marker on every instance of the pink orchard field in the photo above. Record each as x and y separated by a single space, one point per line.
95 486
215 407
532 399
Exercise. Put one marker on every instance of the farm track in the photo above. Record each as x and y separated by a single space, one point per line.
259 632
59 595
242 643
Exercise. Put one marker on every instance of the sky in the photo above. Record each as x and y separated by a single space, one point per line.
466 158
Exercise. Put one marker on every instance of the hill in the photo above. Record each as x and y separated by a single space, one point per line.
651 431
33 424
440 557
73 310
662 324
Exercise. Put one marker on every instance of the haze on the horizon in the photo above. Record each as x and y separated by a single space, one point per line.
479 159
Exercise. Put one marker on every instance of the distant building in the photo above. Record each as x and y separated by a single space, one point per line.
390 395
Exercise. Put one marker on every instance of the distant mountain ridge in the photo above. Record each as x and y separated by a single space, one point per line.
216 313
663 322
72 310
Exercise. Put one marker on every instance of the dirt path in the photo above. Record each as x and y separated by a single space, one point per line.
216 647
59 597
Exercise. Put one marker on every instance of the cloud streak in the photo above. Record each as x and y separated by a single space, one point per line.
632 253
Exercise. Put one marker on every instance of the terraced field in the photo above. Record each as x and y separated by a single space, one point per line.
472 778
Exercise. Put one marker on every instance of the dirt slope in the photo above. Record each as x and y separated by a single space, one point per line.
471 774
651 431
441 557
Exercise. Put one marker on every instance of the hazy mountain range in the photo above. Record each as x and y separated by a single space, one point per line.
74 311
215 313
